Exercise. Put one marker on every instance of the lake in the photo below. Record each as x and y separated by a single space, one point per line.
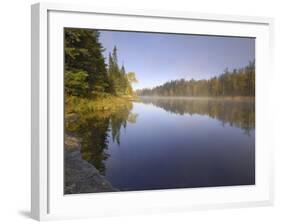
163 143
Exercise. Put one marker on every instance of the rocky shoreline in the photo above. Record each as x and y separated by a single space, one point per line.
79 175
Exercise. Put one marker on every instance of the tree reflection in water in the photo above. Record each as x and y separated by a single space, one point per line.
238 112
94 129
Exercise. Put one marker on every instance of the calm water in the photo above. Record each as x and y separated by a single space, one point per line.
174 143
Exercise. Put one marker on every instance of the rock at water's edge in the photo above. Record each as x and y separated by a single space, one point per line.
79 175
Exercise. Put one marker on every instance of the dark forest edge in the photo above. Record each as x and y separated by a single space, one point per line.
93 84
101 91
235 83
95 93
90 83
99 95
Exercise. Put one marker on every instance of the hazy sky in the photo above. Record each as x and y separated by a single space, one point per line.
157 58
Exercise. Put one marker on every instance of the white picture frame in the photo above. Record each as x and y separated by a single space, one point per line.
47 199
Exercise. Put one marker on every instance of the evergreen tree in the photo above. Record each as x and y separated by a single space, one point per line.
120 81
83 53
230 83
123 81
86 74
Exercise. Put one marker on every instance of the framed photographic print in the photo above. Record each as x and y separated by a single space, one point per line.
148 111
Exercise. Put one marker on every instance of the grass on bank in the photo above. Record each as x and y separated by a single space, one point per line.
85 106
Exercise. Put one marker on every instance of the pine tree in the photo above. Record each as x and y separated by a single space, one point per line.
230 83
86 74
83 53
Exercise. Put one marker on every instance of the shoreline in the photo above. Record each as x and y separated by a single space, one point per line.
202 97
80 176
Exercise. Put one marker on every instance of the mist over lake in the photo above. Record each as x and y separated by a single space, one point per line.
179 143
151 111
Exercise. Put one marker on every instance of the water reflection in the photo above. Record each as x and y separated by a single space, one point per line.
238 113
95 129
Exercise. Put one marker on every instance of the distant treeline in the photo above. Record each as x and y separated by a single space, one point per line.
86 73
238 82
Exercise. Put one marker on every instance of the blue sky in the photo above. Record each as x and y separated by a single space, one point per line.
157 58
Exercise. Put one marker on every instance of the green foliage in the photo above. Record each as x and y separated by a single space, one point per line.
76 83
83 57
236 83
92 109
120 82
92 122
83 52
